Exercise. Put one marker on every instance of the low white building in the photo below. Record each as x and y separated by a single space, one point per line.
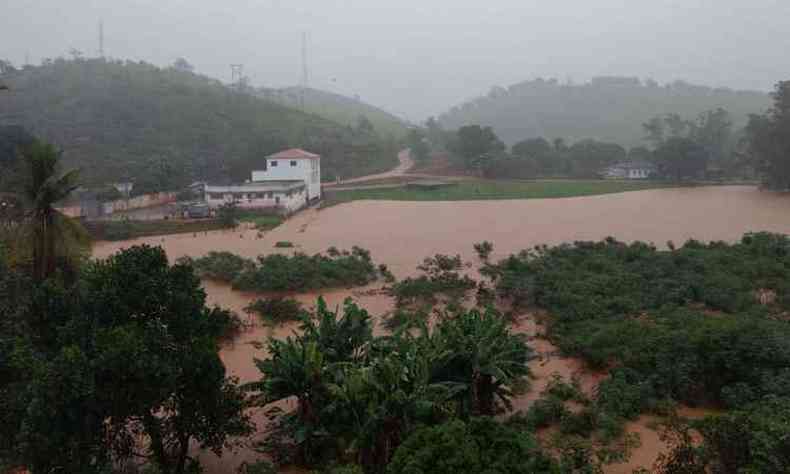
630 170
284 196
290 180
293 164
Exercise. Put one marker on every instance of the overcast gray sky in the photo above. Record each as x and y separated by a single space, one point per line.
419 57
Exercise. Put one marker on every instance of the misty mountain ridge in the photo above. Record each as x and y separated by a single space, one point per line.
336 107
606 108
132 120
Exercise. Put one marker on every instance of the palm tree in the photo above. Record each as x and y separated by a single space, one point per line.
303 367
53 236
480 352
383 401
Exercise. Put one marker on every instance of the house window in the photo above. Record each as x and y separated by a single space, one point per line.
293 163
215 195
273 163
269 194
277 200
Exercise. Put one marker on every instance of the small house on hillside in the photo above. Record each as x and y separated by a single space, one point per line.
630 170
289 181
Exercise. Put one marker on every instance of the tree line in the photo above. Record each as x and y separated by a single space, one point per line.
610 109
678 148
165 128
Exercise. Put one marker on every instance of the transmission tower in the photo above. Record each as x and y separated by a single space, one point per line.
305 72
237 76
101 39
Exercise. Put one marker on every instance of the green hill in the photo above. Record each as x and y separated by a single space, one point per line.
607 108
165 127
338 108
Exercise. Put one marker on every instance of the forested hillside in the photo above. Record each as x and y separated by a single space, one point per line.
607 108
338 108
164 127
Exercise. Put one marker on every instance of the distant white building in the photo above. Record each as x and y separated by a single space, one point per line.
290 181
630 170
293 164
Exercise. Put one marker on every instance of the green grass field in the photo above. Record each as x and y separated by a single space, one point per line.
259 220
486 190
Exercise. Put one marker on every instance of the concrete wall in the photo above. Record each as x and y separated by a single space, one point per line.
268 200
138 202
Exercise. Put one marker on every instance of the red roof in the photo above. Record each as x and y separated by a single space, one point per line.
294 154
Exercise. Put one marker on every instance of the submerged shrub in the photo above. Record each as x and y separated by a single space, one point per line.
300 272
441 278
277 310
222 266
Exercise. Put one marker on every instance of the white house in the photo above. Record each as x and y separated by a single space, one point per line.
630 170
290 181
293 164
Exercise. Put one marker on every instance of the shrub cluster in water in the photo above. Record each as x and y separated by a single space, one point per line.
441 278
703 323
297 272
276 310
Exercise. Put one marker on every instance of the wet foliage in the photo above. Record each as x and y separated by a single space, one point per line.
276 311
359 397
701 324
441 281
297 272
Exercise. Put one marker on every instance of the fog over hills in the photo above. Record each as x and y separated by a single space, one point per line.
606 108
416 58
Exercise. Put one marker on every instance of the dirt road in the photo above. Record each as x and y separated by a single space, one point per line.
405 164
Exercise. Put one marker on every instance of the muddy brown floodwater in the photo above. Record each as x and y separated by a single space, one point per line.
401 234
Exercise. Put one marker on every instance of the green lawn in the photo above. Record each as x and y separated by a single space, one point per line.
484 190
261 222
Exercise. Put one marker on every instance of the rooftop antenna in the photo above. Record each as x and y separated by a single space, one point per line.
305 74
237 76
101 39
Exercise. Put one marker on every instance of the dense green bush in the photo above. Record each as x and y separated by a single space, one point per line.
298 272
276 310
685 324
477 446
753 439
441 278
222 266
301 272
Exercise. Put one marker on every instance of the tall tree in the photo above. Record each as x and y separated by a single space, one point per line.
655 130
768 138
478 146
54 237
681 158
713 131
418 145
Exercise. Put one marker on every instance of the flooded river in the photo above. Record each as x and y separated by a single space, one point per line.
401 234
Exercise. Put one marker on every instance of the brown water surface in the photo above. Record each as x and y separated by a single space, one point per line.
401 234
